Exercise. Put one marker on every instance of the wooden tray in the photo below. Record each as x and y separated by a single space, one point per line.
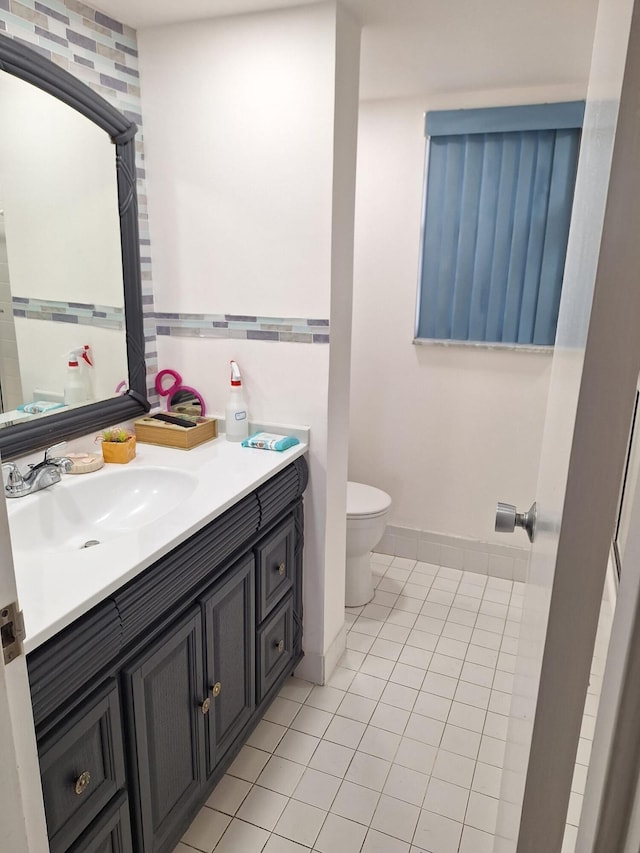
163 434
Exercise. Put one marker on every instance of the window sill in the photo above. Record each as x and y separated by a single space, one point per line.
484 345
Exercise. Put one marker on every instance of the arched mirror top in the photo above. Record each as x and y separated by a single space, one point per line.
37 431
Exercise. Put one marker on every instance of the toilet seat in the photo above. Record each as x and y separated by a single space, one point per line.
366 501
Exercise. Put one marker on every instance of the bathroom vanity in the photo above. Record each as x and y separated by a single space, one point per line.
142 700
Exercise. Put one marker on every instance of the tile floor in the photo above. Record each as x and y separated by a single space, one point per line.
401 752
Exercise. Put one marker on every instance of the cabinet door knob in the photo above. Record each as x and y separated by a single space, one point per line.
205 706
280 646
282 569
82 782
215 690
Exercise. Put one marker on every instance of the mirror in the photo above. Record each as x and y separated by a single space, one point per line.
69 230
181 399
63 273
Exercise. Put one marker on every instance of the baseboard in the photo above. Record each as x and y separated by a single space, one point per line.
456 552
319 668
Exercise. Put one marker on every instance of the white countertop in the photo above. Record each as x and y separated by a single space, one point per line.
55 587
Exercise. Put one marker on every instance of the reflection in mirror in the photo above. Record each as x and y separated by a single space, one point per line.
186 403
61 282
180 398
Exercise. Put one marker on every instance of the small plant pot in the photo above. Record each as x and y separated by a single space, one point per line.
119 451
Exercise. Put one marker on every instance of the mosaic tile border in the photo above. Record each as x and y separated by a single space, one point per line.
103 53
244 327
80 313
237 326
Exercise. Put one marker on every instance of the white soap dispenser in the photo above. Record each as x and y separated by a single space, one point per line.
74 386
235 413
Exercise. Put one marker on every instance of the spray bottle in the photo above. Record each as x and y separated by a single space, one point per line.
235 413
86 366
77 387
74 390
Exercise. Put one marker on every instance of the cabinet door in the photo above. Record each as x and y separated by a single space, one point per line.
166 712
230 632
110 833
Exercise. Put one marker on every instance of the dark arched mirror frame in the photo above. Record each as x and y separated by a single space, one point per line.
22 62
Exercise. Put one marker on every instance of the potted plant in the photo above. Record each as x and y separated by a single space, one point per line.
118 445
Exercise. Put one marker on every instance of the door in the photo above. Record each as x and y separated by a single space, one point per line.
595 368
165 710
22 822
230 668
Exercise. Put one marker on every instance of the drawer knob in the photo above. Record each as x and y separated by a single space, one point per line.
82 782
282 569
215 690
205 706
280 646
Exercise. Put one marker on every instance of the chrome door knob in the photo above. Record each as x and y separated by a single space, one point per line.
508 518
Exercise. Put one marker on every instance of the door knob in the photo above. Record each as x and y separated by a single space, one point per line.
508 518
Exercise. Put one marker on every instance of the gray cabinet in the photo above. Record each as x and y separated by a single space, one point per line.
275 646
158 687
82 766
276 567
165 707
110 833
230 659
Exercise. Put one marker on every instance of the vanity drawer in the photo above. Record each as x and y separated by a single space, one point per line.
276 569
109 833
82 766
275 646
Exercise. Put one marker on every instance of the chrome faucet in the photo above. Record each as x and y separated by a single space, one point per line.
39 476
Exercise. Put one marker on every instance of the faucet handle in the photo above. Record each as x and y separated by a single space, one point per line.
60 462
59 446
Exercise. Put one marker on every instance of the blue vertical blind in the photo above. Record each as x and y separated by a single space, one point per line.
498 203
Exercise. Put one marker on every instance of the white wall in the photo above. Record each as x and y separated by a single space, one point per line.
446 430
247 142
240 130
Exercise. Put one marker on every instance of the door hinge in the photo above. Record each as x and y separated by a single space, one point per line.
12 631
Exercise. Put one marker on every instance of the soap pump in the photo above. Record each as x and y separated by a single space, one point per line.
236 416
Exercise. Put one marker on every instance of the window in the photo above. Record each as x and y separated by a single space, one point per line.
498 196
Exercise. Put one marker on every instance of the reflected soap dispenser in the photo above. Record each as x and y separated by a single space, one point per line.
235 413
74 387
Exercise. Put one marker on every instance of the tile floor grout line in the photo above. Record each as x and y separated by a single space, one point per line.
477 620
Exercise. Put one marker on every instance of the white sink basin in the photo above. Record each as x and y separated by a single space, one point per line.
85 510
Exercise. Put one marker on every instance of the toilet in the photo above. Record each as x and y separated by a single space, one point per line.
367 511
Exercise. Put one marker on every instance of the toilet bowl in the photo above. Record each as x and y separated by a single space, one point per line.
367 511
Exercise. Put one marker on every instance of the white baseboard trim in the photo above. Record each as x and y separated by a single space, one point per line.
319 668
456 552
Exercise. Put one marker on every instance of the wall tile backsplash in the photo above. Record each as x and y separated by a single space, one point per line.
82 314
307 331
278 329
